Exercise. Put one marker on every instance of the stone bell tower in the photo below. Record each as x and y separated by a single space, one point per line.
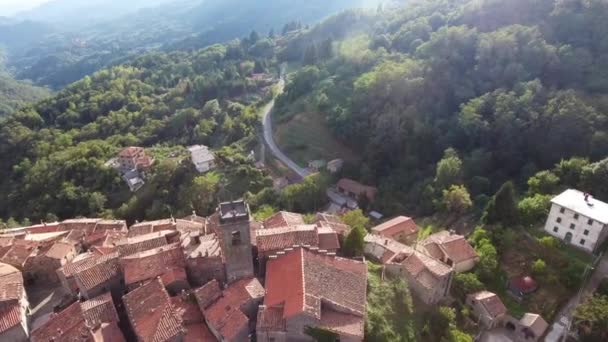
235 239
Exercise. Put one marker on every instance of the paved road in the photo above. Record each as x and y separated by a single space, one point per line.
559 327
274 149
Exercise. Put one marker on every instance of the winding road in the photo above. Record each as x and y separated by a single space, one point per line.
269 139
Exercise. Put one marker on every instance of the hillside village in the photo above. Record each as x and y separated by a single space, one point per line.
228 277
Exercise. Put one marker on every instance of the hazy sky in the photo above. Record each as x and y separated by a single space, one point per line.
10 7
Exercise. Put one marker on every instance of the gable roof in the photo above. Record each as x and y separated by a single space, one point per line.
151 314
104 269
67 325
207 294
357 188
60 250
283 219
284 237
142 243
99 310
130 151
536 323
422 268
384 249
454 246
491 303
153 263
10 316
397 225
575 201
225 315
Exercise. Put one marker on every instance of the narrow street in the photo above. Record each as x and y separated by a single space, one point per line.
562 319
269 139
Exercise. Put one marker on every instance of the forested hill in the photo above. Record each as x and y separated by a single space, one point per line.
53 154
463 92
15 94
65 40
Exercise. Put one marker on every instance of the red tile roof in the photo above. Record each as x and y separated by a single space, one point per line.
454 246
105 269
328 239
189 226
18 254
207 294
187 309
153 263
142 243
270 319
130 151
62 326
108 332
61 250
6 241
275 239
396 226
199 333
301 280
99 310
491 302
284 219
151 314
10 316
355 187
225 315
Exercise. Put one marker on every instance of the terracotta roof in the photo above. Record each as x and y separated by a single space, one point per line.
10 316
207 294
454 246
209 247
491 302
189 226
116 225
396 226
328 239
535 323
11 287
357 188
301 280
61 250
424 269
342 323
151 314
99 310
148 227
280 238
340 228
108 332
187 309
225 315
6 241
383 249
284 219
46 237
130 151
198 333
151 264
89 260
17 255
142 243
66 325
104 250
270 319
105 269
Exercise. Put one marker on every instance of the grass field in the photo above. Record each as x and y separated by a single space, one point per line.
306 137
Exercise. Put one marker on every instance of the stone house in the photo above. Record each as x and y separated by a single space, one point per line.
98 310
47 264
151 314
530 328
400 228
148 227
332 289
487 308
166 262
141 243
355 190
383 249
66 273
102 277
134 158
186 308
429 279
283 219
228 313
14 305
452 249
204 263
578 219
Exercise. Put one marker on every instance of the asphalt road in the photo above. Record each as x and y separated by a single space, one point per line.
268 137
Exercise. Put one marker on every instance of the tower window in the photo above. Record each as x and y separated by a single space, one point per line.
236 238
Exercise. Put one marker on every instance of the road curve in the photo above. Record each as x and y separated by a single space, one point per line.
269 139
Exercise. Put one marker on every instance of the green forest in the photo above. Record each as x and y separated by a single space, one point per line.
444 100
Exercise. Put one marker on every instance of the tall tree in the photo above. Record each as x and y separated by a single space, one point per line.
502 208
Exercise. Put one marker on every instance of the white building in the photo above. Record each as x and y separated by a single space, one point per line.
578 219
202 158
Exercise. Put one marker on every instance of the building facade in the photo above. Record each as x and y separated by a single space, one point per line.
578 219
